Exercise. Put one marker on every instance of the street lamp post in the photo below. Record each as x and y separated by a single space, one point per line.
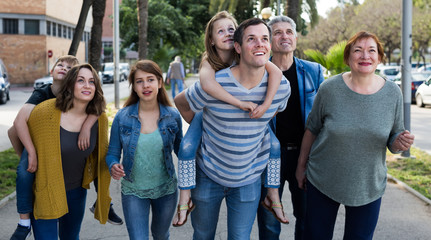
266 13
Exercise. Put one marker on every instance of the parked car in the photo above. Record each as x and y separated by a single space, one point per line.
107 72
426 68
42 81
389 72
417 79
124 71
423 93
4 84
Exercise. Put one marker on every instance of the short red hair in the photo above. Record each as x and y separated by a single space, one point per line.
361 35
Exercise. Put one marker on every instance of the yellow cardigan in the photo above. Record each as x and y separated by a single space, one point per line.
49 188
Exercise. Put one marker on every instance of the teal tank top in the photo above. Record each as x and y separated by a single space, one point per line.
149 174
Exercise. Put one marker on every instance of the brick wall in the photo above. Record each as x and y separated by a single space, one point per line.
23 6
24 57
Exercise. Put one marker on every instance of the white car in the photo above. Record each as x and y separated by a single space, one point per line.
423 93
388 71
42 81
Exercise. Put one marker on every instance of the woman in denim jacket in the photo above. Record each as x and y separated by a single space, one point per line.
147 129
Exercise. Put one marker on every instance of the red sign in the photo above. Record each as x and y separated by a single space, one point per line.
49 53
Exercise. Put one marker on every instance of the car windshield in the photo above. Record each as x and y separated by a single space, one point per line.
391 71
108 68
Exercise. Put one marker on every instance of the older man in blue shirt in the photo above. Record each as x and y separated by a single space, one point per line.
305 78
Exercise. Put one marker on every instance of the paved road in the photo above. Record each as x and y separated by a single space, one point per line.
403 216
421 127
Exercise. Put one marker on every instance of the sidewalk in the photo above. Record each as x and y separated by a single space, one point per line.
402 216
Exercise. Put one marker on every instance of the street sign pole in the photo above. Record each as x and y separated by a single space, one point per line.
117 53
406 65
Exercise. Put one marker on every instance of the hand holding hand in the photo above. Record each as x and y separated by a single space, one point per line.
247 106
117 171
259 111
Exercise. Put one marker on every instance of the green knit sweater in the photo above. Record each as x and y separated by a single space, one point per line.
347 161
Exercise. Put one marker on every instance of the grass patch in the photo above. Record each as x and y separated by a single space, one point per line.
415 172
8 163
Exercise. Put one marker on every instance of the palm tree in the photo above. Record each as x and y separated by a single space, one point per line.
143 28
219 5
96 33
333 61
294 10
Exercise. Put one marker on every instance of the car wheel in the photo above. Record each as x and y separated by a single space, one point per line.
8 97
3 98
419 101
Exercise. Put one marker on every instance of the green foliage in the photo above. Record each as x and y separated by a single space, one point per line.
422 3
415 172
8 164
168 24
245 9
333 61
163 57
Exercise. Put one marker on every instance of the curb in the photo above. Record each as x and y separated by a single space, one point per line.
409 189
7 198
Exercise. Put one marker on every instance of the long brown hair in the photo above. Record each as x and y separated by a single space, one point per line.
65 96
210 53
149 67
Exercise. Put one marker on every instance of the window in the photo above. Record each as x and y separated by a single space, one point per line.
54 29
58 30
69 29
64 31
31 27
48 28
10 26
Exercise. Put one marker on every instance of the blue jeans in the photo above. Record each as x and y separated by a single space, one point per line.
178 82
321 215
24 186
269 227
241 204
137 212
69 225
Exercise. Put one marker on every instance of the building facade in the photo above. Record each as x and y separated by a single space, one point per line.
31 29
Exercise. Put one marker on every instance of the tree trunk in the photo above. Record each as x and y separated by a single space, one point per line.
143 26
96 33
292 9
265 4
86 4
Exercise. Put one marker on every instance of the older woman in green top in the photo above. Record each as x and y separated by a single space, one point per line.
355 116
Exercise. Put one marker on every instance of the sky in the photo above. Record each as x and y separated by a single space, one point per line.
324 5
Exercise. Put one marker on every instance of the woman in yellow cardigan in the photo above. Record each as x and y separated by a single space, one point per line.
65 172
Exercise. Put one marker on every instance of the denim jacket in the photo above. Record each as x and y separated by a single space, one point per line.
310 76
125 132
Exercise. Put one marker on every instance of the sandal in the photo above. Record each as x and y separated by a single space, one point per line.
271 209
182 208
